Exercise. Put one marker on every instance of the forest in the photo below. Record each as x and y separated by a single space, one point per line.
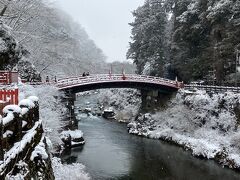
191 39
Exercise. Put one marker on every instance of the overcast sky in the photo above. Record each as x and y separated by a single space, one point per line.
106 22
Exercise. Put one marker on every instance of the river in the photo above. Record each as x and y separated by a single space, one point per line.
111 153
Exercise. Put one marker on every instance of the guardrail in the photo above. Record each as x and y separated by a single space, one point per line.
8 77
79 80
20 132
8 96
208 88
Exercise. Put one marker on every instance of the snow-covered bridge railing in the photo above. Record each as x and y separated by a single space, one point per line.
215 89
74 81
20 131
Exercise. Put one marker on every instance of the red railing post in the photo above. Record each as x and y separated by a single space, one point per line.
12 94
10 77
6 77
16 96
9 97
4 95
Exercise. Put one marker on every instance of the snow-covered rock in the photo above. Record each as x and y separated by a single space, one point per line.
12 109
33 98
26 103
72 138
109 113
9 116
74 134
87 110
39 151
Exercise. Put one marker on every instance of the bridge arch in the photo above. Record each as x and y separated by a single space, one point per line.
77 84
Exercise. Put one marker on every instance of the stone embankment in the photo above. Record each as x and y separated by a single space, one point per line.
23 152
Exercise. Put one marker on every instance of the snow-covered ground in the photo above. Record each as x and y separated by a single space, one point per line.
206 125
75 171
52 111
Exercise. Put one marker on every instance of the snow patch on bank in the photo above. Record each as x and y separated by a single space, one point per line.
73 134
75 171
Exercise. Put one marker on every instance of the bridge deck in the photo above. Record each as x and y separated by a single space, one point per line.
116 80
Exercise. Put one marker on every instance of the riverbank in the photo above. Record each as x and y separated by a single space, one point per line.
111 152
206 125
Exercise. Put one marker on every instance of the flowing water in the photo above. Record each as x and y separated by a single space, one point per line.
111 153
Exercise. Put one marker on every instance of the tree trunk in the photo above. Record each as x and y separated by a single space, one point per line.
3 10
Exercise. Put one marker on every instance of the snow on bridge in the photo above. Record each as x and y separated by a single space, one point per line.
97 81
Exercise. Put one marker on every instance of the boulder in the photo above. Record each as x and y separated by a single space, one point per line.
72 138
109 113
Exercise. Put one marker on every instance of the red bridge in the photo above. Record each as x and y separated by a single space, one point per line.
97 81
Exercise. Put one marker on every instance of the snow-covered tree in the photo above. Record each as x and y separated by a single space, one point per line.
204 38
57 45
10 50
148 36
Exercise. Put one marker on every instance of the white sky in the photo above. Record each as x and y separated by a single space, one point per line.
106 22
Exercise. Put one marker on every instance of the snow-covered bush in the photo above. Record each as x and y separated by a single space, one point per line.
64 171
10 50
27 71
51 108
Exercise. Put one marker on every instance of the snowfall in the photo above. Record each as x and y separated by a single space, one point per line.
207 125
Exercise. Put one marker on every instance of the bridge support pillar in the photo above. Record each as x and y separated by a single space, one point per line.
70 99
163 99
154 99
149 99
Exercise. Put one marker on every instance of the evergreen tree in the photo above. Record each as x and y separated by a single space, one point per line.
204 38
10 50
147 44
